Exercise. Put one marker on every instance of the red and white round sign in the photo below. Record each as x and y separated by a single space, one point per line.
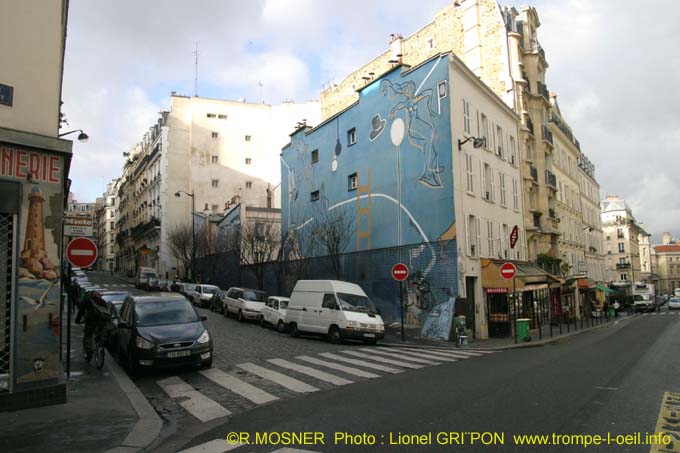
508 270
81 252
400 272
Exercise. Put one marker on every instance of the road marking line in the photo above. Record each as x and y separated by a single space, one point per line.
383 359
335 366
441 357
278 378
402 356
667 423
309 371
236 385
456 354
375 366
653 313
214 446
606 388
197 404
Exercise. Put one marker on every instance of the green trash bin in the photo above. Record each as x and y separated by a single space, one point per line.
523 329
612 313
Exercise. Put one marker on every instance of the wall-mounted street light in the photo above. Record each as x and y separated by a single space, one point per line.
193 230
82 137
477 142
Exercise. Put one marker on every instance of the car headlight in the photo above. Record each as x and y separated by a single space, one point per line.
204 338
351 324
143 343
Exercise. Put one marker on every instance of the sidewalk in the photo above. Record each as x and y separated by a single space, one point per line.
103 412
412 336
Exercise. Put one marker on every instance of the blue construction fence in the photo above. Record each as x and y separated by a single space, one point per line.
429 293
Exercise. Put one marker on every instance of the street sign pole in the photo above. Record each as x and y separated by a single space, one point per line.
514 303
400 273
69 304
401 308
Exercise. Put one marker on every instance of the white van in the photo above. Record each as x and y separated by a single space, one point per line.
334 308
143 275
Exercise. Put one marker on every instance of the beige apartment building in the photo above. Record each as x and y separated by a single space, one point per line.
500 45
204 155
591 221
666 264
622 243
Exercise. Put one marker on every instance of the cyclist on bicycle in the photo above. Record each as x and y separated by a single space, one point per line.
95 322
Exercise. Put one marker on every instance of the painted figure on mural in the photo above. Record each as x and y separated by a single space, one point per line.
421 131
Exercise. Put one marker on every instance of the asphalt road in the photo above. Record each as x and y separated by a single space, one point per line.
608 382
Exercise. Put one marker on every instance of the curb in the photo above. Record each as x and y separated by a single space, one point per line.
149 425
530 344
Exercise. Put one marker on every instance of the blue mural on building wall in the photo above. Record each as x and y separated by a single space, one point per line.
386 158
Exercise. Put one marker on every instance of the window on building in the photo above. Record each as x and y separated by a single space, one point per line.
469 175
249 184
215 182
210 115
472 235
248 138
619 233
515 194
352 182
623 277
489 238
259 230
504 241
484 131
215 135
215 159
513 150
222 117
501 186
466 117
314 196
352 136
249 161
441 89
215 208
622 248
488 183
315 156
499 142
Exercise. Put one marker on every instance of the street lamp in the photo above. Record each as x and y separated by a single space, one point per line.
193 233
82 137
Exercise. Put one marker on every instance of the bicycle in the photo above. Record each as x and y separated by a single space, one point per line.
98 353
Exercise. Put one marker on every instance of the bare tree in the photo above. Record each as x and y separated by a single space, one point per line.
331 233
181 244
259 245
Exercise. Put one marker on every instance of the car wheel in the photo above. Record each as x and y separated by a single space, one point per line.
294 332
240 316
334 335
280 327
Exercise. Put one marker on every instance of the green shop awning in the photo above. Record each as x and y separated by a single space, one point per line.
604 288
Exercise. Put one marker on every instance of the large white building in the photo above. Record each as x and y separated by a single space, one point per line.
622 242
208 153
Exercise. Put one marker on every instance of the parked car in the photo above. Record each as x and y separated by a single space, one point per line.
187 290
337 309
142 277
274 312
674 303
245 303
161 330
110 302
203 294
217 301
164 285
152 284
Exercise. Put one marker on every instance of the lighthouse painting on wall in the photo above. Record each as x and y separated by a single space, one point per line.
38 285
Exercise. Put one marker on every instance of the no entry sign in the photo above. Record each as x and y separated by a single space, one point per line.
81 252
508 270
399 272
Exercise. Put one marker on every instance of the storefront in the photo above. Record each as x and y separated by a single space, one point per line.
530 295
33 181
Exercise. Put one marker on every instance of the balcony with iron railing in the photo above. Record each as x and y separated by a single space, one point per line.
547 135
551 213
550 179
534 174
543 90
530 125
537 219
622 266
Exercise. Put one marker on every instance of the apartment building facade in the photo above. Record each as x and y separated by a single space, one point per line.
666 264
622 245
591 220
203 155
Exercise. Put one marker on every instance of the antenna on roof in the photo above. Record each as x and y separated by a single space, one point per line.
195 54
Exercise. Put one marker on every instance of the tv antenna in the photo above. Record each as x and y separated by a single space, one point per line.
195 54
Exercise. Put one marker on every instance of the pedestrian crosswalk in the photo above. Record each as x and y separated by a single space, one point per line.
272 379
661 313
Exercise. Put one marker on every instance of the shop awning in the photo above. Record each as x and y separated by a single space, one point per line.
604 289
586 283
528 277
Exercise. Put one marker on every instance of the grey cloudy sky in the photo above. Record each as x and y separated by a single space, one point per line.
613 63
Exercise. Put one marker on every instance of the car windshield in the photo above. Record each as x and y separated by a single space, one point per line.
354 302
164 312
210 289
283 304
188 287
118 297
255 296
148 274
